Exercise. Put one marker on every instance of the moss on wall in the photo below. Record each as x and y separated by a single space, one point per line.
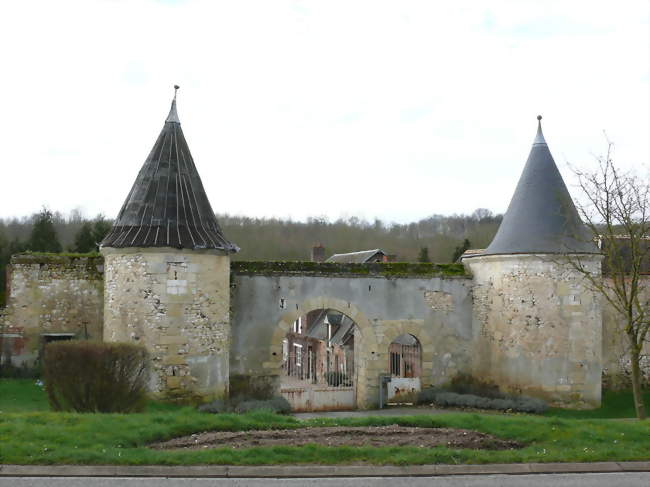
379 269
391 269
91 265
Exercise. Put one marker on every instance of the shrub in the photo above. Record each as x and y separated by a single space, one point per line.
507 403
217 406
251 387
88 376
10 371
276 404
467 384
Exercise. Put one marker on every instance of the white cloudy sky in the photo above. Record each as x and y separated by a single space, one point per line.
389 109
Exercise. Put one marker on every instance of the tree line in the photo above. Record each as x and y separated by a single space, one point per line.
438 238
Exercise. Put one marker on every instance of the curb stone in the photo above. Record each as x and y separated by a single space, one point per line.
303 471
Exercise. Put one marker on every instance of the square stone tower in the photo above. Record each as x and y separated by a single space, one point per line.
167 274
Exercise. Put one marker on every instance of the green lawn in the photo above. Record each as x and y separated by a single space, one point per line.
42 437
21 395
617 404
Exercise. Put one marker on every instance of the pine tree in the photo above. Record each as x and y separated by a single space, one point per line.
460 250
101 227
84 240
43 237
423 256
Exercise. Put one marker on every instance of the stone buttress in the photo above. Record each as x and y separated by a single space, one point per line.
537 325
167 272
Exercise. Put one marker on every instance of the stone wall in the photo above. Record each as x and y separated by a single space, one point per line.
537 328
616 361
50 297
176 303
435 308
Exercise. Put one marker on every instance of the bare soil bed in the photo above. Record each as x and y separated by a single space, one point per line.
392 435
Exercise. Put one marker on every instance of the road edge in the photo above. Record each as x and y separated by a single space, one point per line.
313 471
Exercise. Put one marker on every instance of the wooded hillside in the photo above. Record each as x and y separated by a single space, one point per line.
269 238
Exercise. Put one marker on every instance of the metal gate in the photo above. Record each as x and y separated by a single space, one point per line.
307 387
405 362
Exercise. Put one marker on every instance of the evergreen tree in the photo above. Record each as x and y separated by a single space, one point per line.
460 250
423 256
84 240
101 227
43 237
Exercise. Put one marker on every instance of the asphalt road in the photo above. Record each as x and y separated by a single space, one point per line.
622 479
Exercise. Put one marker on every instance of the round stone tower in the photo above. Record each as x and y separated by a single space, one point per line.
537 325
167 274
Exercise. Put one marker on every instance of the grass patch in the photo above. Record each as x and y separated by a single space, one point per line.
615 404
70 438
30 434
22 395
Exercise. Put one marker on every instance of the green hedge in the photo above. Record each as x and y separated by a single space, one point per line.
85 376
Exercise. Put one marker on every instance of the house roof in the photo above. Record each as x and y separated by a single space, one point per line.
167 205
541 217
356 257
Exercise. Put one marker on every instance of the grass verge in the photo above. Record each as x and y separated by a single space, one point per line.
67 438
41 437
615 404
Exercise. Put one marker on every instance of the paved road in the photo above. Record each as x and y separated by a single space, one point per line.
624 479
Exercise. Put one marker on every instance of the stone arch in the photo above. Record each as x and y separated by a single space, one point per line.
417 329
366 350
287 319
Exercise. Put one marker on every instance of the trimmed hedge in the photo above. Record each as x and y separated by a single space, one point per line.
94 377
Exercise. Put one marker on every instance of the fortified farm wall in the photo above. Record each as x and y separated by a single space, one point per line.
432 303
50 297
617 369
212 325
538 327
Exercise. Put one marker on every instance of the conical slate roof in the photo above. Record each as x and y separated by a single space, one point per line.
167 205
541 217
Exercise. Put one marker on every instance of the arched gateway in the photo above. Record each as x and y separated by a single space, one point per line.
281 341
324 355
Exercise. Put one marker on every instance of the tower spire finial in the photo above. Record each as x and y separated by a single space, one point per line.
173 114
539 138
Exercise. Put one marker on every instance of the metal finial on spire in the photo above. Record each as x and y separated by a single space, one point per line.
173 114
539 138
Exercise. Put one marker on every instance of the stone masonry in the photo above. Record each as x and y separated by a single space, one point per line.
176 303
51 297
537 328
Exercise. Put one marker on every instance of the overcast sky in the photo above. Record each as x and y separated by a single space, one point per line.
395 110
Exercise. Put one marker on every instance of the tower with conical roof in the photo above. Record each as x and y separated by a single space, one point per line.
167 271
537 325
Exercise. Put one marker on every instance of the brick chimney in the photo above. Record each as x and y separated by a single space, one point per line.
318 253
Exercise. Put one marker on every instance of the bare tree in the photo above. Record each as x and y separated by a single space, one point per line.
616 209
